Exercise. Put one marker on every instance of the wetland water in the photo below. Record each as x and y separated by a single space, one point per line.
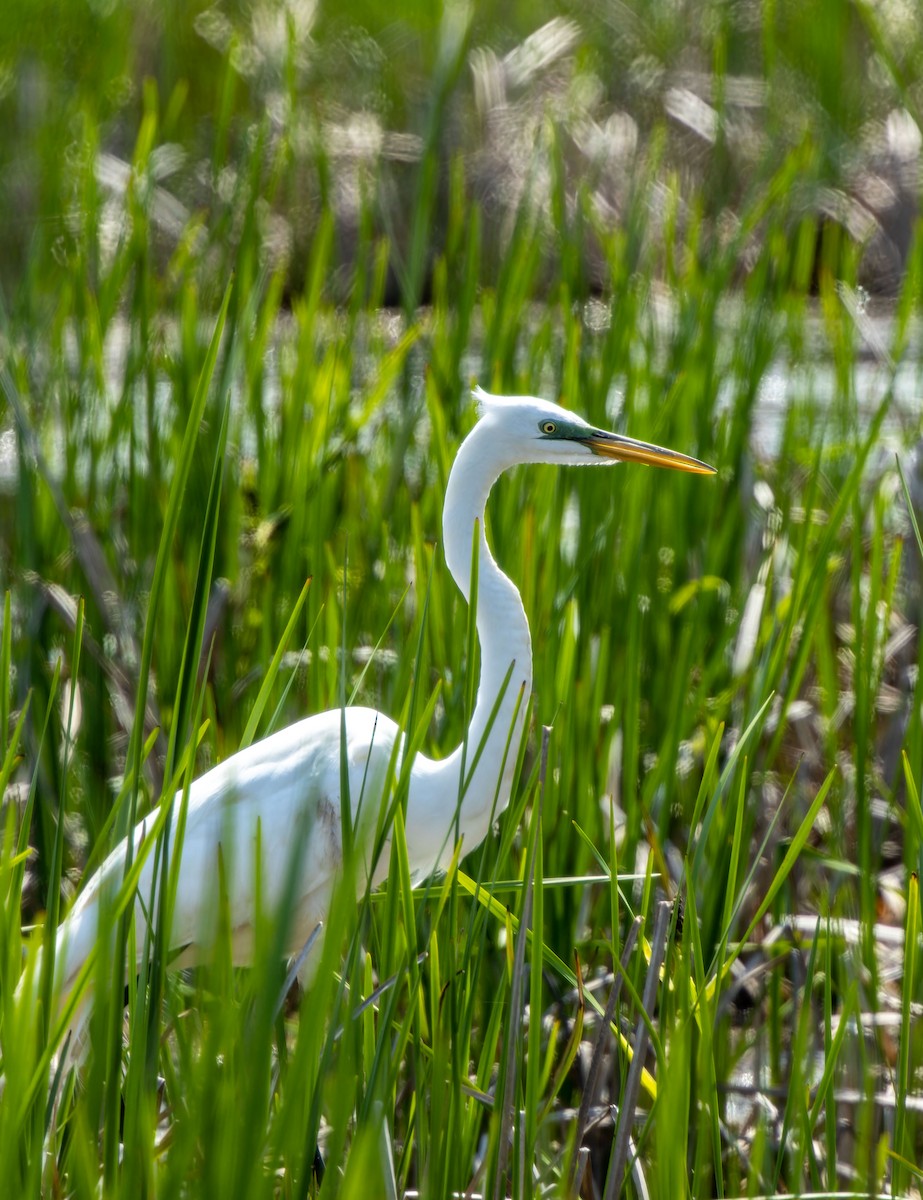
811 387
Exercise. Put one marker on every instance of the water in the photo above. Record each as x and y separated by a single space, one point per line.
811 385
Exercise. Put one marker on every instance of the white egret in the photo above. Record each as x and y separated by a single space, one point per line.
292 780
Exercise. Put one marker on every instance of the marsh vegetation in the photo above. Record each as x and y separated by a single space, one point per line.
254 258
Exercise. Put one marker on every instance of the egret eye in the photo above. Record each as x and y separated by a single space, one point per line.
548 427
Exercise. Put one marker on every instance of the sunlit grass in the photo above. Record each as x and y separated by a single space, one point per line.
225 518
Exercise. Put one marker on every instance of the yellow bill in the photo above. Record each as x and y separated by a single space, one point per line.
626 449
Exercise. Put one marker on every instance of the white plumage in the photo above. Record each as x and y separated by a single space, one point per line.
283 793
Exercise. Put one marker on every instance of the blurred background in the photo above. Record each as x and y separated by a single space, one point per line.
283 115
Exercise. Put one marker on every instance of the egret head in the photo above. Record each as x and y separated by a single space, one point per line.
530 430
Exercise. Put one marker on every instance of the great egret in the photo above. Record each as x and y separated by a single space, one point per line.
292 780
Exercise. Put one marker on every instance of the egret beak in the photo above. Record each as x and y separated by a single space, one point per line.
626 449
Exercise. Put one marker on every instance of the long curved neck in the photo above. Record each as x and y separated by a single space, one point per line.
503 632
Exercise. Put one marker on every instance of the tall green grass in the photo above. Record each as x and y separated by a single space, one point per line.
670 972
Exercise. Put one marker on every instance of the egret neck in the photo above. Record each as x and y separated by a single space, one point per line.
503 633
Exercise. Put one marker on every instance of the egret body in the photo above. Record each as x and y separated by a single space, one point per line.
285 791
